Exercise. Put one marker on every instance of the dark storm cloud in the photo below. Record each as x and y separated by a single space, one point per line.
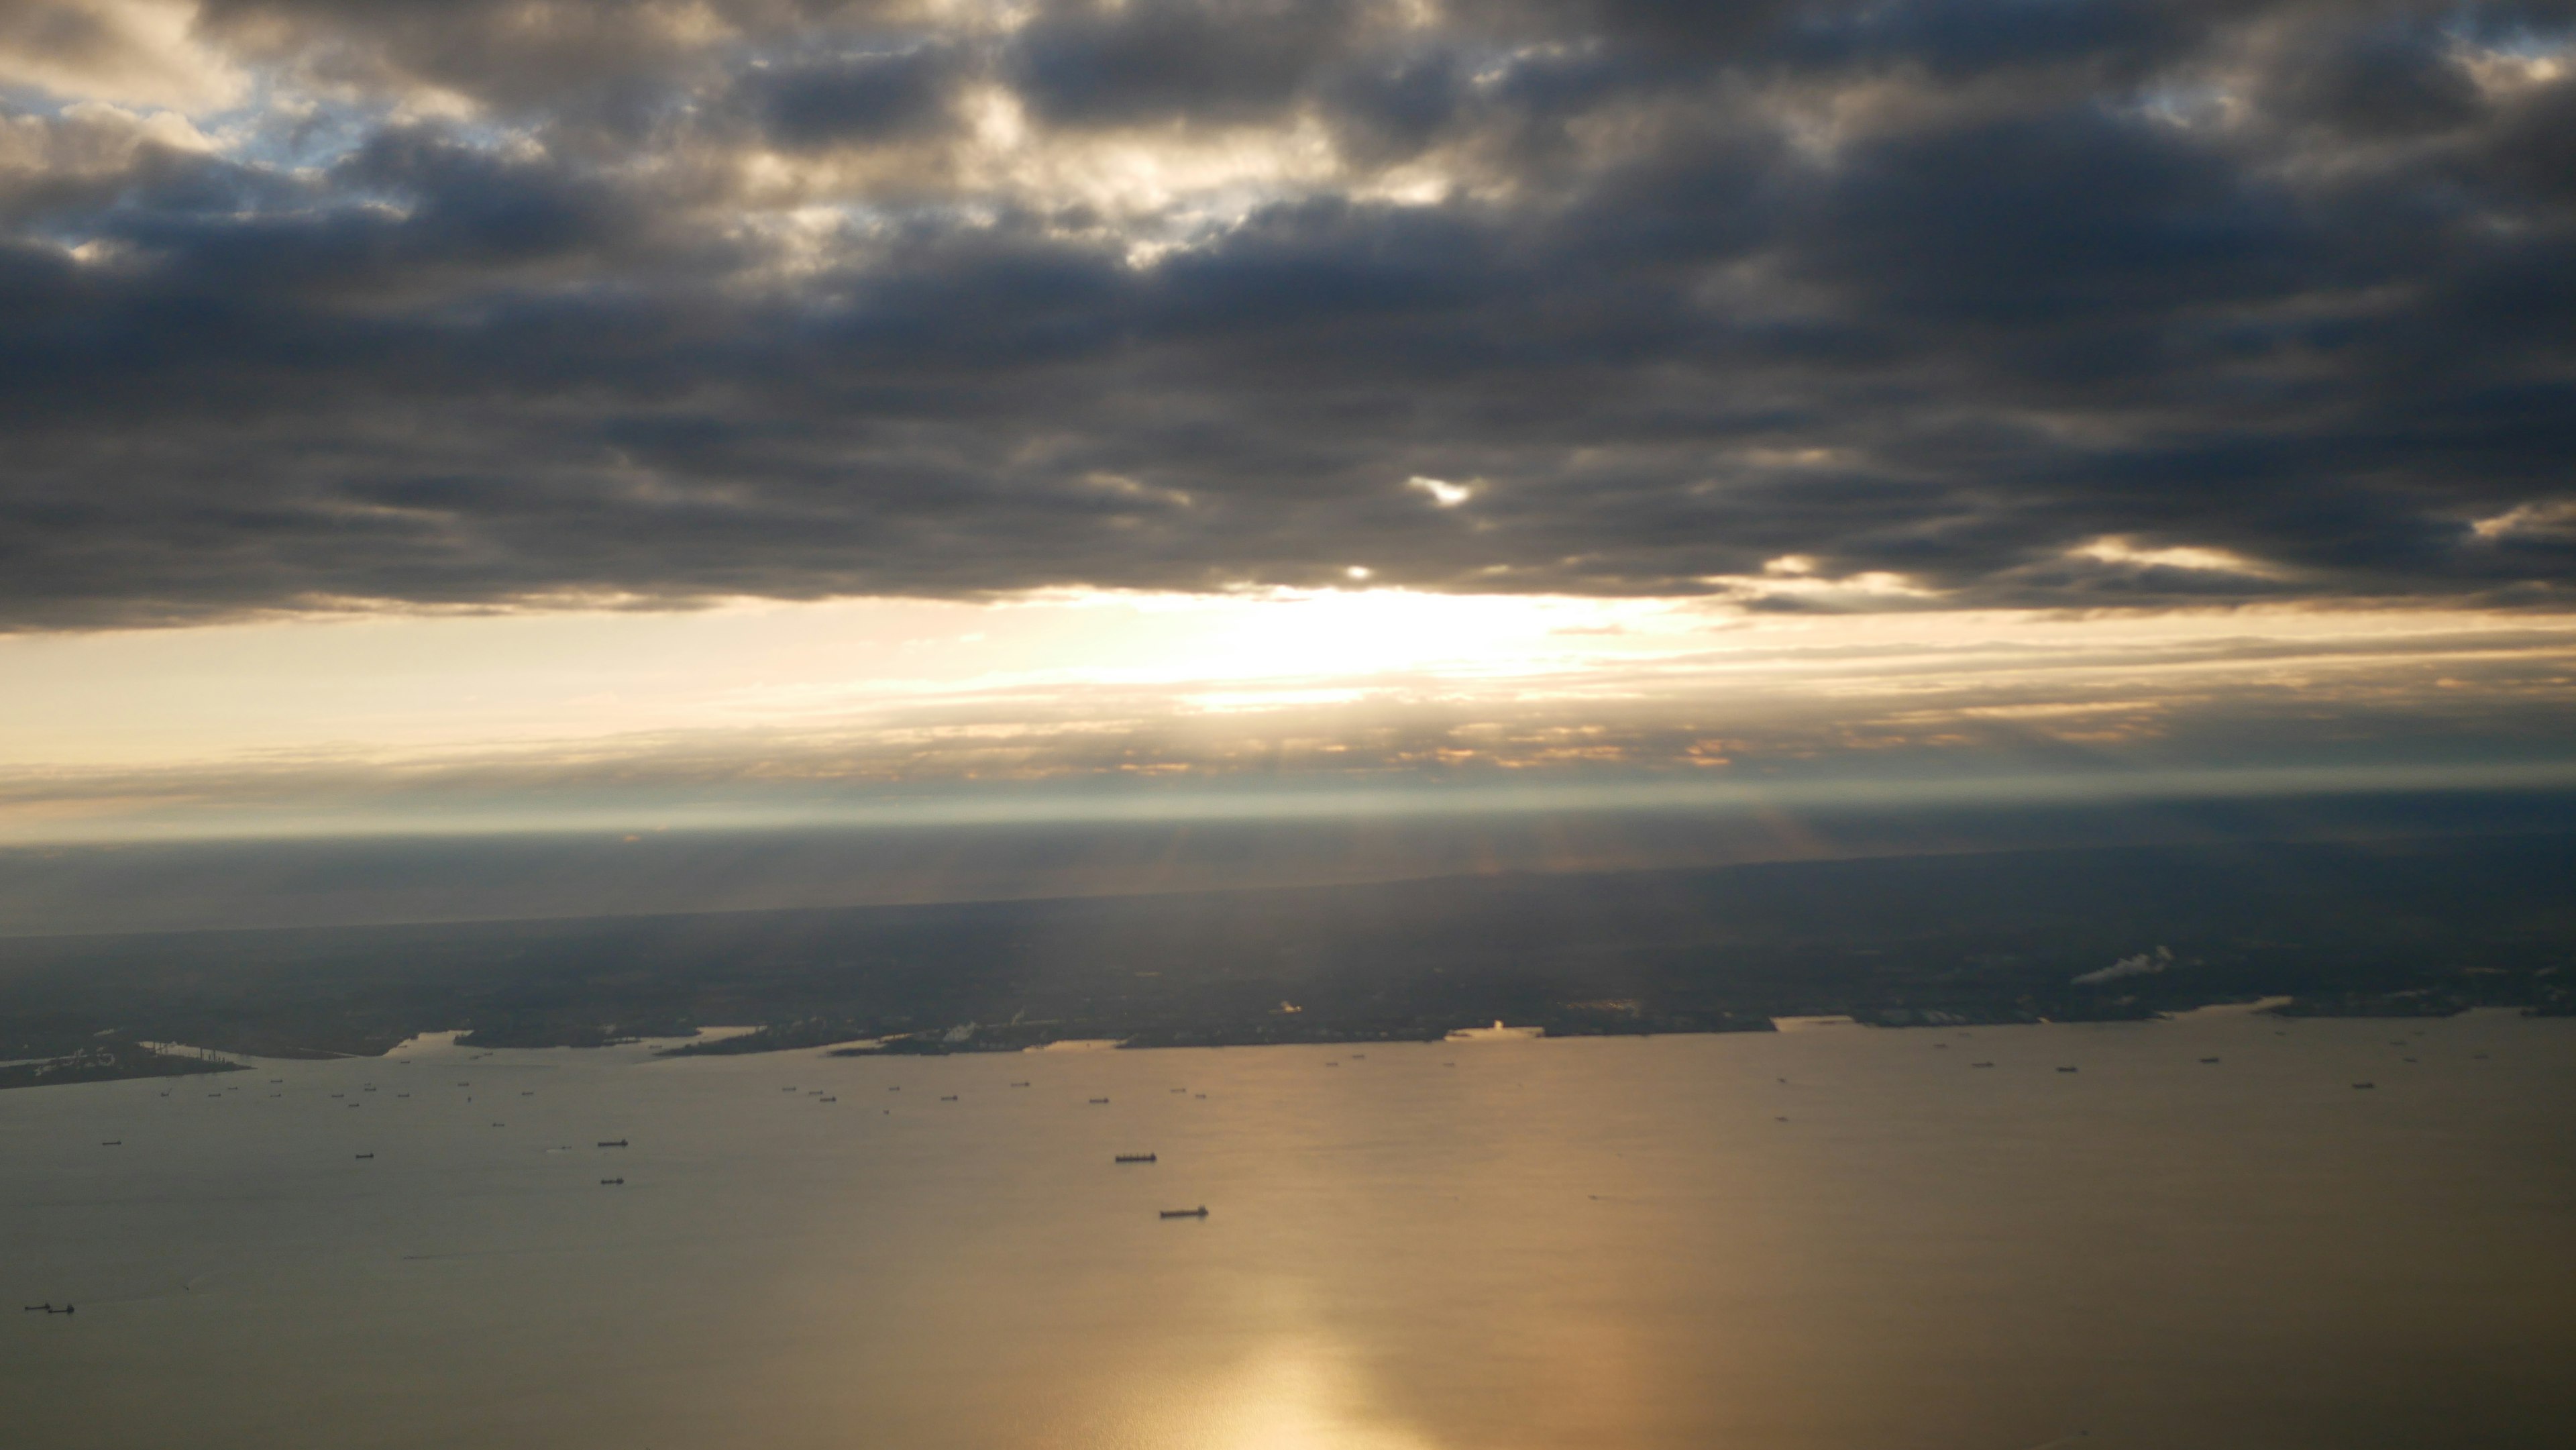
2008 303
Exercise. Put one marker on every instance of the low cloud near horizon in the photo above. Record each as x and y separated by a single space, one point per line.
1887 306
1360 703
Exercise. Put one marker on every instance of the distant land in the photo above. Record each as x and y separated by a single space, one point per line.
2406 927
108 1062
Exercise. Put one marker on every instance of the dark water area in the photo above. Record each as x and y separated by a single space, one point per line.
1843 1237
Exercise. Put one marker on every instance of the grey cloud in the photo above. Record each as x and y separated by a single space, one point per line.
1150 59
2079 336
869 96
58 32
1954 38
514 52
2050 215
1390 107
2393 80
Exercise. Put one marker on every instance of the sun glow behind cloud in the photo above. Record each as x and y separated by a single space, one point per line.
1276 700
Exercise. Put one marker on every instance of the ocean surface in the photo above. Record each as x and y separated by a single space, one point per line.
1818 1240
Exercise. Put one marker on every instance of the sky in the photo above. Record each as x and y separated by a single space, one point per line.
628 414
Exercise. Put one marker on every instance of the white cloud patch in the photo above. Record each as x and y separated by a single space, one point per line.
134 52
1443 493
2556 518
91 139
2115 550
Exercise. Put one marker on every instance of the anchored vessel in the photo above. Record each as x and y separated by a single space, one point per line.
1198 1212
1133 1158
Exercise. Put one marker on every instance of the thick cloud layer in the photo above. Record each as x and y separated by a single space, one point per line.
1902 304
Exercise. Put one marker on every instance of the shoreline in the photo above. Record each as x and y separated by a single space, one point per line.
931 1044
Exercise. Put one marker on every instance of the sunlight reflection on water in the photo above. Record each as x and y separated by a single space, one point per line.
1804 1241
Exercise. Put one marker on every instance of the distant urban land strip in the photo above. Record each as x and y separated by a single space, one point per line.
2393 928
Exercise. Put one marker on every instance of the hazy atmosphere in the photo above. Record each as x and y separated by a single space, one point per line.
1263 390
1467 724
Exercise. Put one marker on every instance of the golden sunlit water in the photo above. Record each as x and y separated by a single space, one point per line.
1834 1238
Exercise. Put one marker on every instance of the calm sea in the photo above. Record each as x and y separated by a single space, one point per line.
1823 1240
